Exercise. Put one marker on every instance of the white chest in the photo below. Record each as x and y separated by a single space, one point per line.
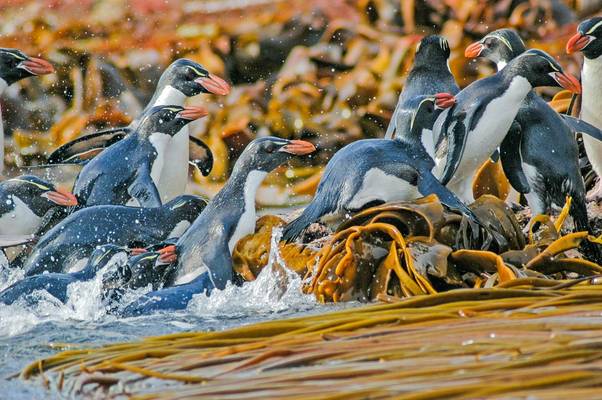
377 185
591 105
179 229
20 221
160 142
490 130
591 108
246 223
174 174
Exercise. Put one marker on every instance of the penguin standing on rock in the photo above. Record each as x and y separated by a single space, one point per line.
14 66
25 200
204 252
470 131
372 171
540 155
183 78
63 247
430 74
588 40
131 168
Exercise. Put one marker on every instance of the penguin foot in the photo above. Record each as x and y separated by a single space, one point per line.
168 254
596 193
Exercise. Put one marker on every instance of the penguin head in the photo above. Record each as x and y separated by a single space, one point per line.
169 119
107 254
38 194
588 39
540 69
432 49
192 78
426 109
499 46
267 153
186 207
16 65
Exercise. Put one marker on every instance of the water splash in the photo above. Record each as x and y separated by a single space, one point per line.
277 289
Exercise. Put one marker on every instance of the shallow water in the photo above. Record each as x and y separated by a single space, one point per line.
29 326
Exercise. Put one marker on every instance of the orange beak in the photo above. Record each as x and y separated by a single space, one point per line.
168 255
37 66
444 100
214 84
578 42
568 82
193 112
299 148
61 197
473 50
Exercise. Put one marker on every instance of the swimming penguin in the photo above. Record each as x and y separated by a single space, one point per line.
588 40
57 283
204 251
540 155
132 167
372 171
183 78
139 271
14 66
430 74
74 238
25 200
469 132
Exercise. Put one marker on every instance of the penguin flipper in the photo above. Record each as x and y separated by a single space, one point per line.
455 136
201 156
580 126
144 190
82 149
428 184
511 159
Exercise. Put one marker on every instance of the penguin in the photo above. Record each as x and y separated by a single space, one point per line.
588 40
430 74
63 247
470 131
371 171
540 154
204 251
132 167
183 78
57 283
25 200
14 66
140 271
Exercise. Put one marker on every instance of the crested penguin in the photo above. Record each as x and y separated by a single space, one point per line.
183 78
540 155
430 74
469 132
204 251
57 284
25 200
73 239
588 40
132 167
378 170
14 66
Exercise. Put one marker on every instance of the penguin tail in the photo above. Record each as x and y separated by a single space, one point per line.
294 228
579 214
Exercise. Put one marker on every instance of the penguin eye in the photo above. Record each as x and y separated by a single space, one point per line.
270 147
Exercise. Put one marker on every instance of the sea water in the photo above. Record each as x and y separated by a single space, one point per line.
31 327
